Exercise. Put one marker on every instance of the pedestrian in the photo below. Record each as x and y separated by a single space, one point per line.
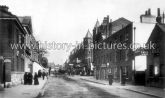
30 78
43 75
110 78
36 82
123 79
46 75
49 70
39 73
25 78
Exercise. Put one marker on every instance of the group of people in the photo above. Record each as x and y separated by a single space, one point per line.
28 78
42 74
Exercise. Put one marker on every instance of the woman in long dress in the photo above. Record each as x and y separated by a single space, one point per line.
36 82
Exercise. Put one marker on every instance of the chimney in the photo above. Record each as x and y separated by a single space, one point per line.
107 18
158 18
110 27
107 31
163 17
149 11
158 12
146 12
3 8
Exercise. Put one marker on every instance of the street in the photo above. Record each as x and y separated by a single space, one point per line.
71 87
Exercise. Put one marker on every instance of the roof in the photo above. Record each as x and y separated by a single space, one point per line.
162 27
97 24
119 24
142 32
88 35
25 20
156 34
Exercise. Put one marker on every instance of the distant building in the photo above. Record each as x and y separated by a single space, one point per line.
150 18
88 42
81 57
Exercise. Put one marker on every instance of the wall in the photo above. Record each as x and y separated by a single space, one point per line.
17 78
37 67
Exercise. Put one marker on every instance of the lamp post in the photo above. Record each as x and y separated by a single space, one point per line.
134 53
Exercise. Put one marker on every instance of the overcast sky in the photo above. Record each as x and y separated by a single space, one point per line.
67 21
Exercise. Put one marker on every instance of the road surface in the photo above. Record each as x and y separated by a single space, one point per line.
64 87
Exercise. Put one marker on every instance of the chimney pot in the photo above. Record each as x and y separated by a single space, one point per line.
146 13
149 11
163 17
158 12
4 8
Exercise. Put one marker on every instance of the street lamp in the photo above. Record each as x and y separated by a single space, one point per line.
134 53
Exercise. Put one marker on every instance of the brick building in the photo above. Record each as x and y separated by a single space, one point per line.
12 32
82 56
155 75
112 59
18 45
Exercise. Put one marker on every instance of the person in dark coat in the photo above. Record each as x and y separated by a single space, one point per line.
25 78
123 79
36 82
43 75
110 78
30 78
49 70
39 73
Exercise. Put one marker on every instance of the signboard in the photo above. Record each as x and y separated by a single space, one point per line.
103 65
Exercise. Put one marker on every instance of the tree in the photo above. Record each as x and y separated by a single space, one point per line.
42 52
44 62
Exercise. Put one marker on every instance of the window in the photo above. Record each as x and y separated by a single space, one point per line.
120 55
115 72
156 70
126 55
126 36
19 39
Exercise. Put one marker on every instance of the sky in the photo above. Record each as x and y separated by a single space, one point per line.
66 22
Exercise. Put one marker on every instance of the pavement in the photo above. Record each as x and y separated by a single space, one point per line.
24 91
151 91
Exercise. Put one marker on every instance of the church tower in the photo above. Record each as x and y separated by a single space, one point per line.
88 42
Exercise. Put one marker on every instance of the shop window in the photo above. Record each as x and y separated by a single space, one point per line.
156 70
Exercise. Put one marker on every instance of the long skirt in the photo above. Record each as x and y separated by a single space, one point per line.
36 82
